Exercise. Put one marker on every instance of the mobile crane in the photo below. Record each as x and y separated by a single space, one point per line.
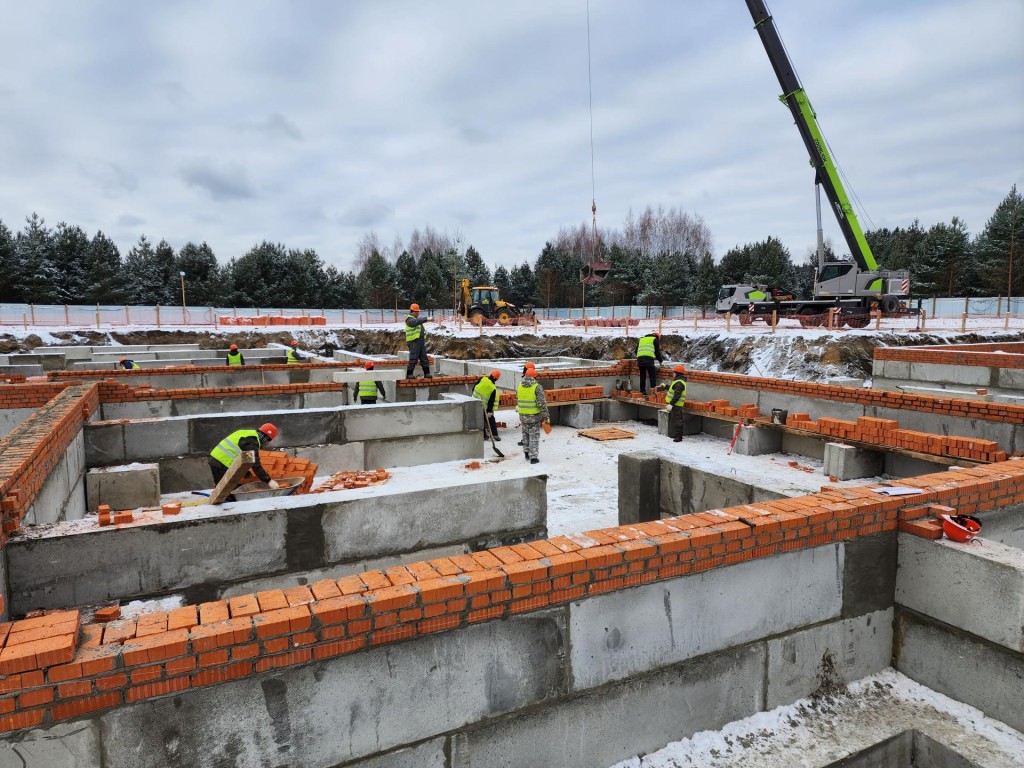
854 288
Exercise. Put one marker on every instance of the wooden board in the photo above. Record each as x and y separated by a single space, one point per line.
234 476
606 433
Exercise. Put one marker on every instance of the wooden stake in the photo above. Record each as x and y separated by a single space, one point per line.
878 319
963 321
775 319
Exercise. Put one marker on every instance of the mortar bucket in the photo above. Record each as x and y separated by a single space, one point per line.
779 416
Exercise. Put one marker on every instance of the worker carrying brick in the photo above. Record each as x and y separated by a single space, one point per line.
368 389
129 365
293 352
238 441
234 356
416 341
675 396
648 349
487 393
533 411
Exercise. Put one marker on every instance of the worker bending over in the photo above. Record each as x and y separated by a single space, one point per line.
293 352
129 365
648 349
416 341
487 393
368 388
234 356
675 396
232 445
533 411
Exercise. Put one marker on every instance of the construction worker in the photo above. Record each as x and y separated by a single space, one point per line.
129 365
487 393
648 349
675 396
234 356
293 352
533 411
368 389
232 445
415 340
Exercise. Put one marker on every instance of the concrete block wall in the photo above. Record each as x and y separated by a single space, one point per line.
997 366
511 617
67 565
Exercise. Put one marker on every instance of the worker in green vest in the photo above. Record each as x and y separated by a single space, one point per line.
416 342
293 352
487 393
238 441
533 411
368 389
129 365
234 356
648 349
675 396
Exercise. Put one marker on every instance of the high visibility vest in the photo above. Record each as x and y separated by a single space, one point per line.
645 348
526 399
291 356
412 332
367 389
673 389
234 358
134 367
482 391
227 449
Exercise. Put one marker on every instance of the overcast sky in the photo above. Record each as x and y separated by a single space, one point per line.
315 123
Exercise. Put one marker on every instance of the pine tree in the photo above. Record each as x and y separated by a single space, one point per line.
476 270
1000 248
407 277
70 255
104 274
522 286
10 286
735 264
705 289
35 264
166 281
501 281
258 275
939 269
770 264
433 290
204 279
377 282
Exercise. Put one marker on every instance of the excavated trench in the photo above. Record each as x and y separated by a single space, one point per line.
811 357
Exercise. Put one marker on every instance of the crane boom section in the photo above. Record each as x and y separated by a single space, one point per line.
794 96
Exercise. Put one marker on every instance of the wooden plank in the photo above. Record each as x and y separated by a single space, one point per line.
607 433
234 475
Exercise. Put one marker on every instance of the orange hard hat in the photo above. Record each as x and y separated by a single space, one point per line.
962 528
679 369
293 343
414 307
369 365
123 360
268 430
233 347
530 367
495 375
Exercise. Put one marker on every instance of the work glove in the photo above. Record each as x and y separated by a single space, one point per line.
273 484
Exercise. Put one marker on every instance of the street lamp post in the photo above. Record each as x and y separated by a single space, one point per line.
183 318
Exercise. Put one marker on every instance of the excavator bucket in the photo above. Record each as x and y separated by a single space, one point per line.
595 272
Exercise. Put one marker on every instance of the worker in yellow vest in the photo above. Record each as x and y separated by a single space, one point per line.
675 396
293 352
487 393
416 342
648 349
238 441
368 389
234 356
129 365
533 411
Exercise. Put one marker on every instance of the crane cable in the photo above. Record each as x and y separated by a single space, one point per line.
593 183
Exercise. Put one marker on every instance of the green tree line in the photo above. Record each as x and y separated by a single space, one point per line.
657 258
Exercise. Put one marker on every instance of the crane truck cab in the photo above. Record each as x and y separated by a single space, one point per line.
738 297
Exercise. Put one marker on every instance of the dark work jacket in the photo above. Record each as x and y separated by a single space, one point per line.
253 444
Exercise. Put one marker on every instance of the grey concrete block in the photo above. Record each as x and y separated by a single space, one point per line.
429 754
756 441
869 574
973 375
296 428
350 707
892 369
639 487
687 489
692 422
424 449
621 634
850 462
333 458
22 370
979 589
812 447
1009 378
364 422
898 465
123 487
104 444
839 652
964 668
717 427
637 716
11 418
155 438
577 416
64 745
1006 526
188 473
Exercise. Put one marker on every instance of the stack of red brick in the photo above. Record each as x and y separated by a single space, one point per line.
272 320
280 466
568 394
352 479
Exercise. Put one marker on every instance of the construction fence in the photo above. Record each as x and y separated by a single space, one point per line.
945 313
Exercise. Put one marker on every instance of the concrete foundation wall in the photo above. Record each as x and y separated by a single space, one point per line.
145 409
689 489
11 418
62 496
205 549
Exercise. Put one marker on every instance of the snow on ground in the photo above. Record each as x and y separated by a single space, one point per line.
816 732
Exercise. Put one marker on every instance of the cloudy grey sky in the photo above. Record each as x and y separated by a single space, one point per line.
315 123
